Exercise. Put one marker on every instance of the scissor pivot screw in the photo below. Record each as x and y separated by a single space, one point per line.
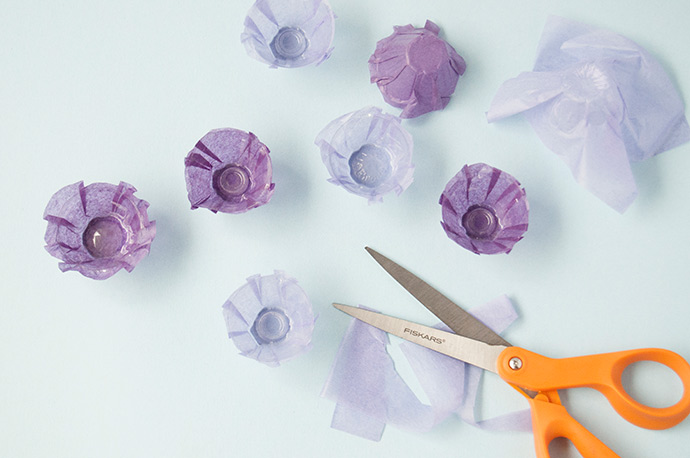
515 363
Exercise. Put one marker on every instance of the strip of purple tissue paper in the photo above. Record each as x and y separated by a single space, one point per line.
370 394
599 101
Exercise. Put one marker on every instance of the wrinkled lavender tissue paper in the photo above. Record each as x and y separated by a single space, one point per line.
369 393
599 101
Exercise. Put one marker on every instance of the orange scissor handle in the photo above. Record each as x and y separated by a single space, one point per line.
550 420
602 372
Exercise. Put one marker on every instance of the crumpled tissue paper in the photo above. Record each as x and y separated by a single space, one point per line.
368 153
270 318
289 33
369 393
98 229
599 101
229 171
415 69
484 209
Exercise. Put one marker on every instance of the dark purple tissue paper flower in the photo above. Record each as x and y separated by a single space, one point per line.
484 209
270 318
98 229
415 69
229 171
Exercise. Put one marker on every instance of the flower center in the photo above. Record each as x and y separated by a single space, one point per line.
289 43
370 165
103 237
271 325
231 181
480 223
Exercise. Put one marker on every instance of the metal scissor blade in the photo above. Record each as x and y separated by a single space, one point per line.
454 316
465 349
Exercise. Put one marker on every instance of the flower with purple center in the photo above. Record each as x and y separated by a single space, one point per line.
368 153
289 33
98 229
415 69
484 209
229 171
270 318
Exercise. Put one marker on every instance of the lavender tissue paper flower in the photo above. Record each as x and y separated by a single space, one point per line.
229 171
415 69
369 393
270 318
98 229
484 209
289 33
599 101
368 153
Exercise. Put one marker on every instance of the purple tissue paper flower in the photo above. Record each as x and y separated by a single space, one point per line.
484 209
599 101
368 153
229 171
270 318
98 229
415 69
289 33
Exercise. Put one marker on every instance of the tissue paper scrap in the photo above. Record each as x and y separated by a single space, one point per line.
599 101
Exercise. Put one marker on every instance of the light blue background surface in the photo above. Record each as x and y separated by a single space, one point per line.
140 365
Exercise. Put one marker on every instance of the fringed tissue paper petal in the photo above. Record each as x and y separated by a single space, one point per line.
289 33
599 101
98 229
229 171
270 318
415 69
369 393
368 153
484 209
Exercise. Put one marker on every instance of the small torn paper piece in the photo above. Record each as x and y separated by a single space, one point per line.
369 393
599 101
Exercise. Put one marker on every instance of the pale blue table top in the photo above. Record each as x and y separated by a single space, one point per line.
140 365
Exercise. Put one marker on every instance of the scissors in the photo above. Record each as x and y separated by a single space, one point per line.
536 377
